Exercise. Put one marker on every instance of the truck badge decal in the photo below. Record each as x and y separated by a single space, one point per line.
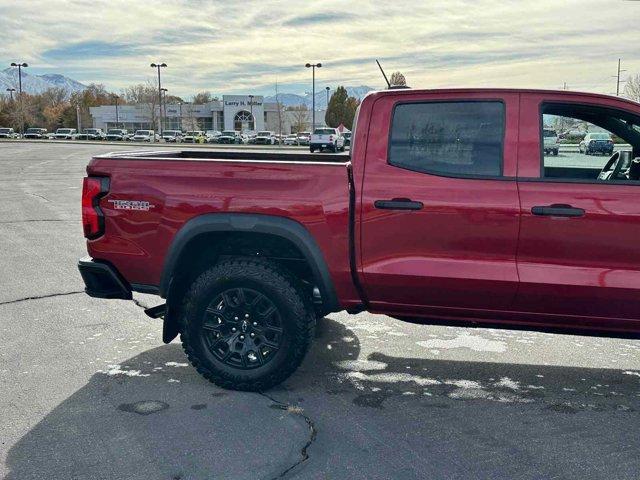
131 205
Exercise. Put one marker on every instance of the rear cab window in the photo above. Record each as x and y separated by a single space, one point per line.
449 138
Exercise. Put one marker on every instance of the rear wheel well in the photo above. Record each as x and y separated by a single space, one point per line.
208 248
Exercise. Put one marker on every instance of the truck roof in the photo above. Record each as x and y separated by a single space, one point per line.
412 91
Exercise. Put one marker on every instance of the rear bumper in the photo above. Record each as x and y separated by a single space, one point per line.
102 280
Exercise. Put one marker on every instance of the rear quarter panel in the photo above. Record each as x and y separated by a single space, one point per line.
136 242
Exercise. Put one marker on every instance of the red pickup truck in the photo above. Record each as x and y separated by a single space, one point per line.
446 211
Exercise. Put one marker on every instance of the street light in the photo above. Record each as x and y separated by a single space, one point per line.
251 106
180 120
159 66
313 67
20 66
11 90
116 97
164 109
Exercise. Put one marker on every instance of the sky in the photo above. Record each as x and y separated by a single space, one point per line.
247 46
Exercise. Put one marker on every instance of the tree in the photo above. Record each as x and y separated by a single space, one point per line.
632 88
201 98
397 79
342 109
145 94
300 115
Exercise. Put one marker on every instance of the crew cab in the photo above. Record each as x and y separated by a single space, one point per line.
91 134
446 211
117 135
65 134
265 138
8 133
36 133
326 139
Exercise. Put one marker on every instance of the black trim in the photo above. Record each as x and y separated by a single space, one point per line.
452 175
102 280
255 223
352 240
398 204
142 288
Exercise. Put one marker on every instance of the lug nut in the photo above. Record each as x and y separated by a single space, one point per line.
235 318
219 321
255 324
252 334
246 315
241 337
233 329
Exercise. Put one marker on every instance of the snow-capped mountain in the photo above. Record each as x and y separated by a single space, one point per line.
37 83
291 99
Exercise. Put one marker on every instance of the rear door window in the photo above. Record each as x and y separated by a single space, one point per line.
449 138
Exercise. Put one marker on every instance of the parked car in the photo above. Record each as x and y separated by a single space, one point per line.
265 138
8 133
419 223
326 139
291 139
303 138
65 134
117 135
230 136
194 136
36 133
550 139
347 138
172 136
91 134
211 136
596 143
144 136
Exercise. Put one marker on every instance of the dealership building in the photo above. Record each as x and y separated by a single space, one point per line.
234 112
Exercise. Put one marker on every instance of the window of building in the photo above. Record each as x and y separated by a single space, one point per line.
589 143
448 138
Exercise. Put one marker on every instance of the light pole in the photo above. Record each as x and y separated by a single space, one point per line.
20 67
180 119
159 66
617 77
325 112
251 107
164 109
313 67
115 98
11 90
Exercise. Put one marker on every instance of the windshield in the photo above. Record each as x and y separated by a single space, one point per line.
264 134
91 130
5 130
230 133
324 131
193 134
33 130
143 132
170 133
114 131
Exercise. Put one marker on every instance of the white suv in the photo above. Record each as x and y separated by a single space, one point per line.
550 141
326 138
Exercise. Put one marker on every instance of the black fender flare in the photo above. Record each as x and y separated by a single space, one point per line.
254 223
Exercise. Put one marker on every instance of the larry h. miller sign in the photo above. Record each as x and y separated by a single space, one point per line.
243 112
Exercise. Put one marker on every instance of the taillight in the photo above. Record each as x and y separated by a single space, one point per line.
93 189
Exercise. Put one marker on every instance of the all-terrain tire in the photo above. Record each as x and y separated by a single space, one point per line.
278 286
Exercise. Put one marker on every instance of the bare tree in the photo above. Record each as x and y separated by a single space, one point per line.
201 98
632 88
397 79
300 115
145 94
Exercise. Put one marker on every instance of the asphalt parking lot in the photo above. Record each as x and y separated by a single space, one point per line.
88 390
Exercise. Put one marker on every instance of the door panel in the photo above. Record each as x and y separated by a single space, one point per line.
456 244
584 265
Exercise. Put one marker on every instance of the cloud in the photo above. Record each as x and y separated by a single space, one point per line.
234 47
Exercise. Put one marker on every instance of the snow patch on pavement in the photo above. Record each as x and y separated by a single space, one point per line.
114 370
466 340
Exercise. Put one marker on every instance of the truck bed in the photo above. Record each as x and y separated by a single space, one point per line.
174 187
